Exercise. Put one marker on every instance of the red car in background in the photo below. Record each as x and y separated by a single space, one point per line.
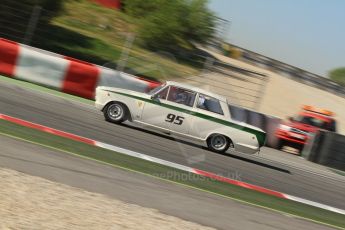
298 130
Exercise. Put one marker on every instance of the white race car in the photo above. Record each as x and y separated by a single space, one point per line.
181 110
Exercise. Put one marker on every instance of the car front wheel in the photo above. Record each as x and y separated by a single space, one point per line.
116 113
218 143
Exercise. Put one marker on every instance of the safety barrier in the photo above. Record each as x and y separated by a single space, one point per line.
263 121
63 73
326 148
293 72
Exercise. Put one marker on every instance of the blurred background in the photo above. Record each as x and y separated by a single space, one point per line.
170 40
158 40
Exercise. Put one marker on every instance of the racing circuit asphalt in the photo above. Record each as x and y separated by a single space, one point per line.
85 120
134 188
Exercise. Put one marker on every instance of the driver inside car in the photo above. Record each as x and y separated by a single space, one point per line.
181 98
201 102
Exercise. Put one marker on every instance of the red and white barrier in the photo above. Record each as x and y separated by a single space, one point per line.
8 57
63 73
38 67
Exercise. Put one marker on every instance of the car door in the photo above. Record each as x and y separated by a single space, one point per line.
155 112
207 109
181 102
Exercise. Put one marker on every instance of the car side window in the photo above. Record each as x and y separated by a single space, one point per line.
209 104
181 96
163 94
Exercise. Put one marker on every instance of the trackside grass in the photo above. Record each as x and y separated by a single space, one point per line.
174 175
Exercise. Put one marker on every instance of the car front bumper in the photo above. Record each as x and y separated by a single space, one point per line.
291 137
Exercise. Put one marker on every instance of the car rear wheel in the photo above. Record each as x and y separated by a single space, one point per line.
218 143
116 113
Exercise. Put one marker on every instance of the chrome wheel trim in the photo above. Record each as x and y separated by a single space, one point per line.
115 112
219 142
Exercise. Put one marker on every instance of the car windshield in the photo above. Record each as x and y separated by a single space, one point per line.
316 122
155 90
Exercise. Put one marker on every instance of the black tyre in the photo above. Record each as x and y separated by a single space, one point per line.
218 143
300 149
116 113
280 144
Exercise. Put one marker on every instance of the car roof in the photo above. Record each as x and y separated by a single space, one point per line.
196 89
317 115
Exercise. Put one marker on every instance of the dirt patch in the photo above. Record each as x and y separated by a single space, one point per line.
28 202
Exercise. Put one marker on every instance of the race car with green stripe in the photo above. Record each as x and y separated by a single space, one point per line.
182 111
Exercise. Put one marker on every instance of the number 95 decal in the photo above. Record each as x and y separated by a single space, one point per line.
172 118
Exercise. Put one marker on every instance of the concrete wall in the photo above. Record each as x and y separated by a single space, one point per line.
283 97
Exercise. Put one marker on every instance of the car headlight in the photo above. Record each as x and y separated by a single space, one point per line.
285 127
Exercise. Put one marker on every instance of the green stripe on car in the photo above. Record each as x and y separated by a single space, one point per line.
261 136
